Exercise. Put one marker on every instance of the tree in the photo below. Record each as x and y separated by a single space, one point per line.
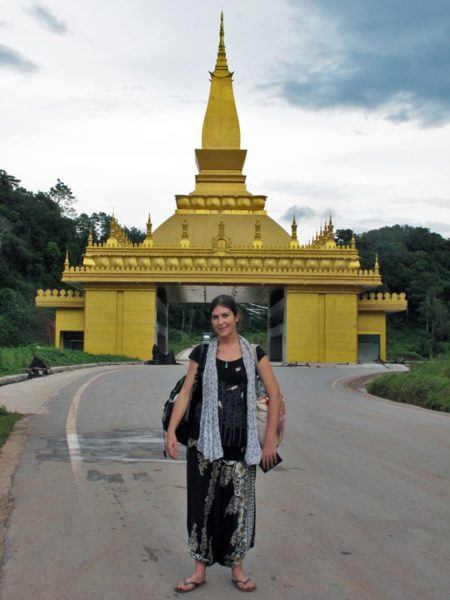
135 235
343 237
62 196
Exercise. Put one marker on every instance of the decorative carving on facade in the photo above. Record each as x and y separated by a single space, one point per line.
383 301
226 204
59 298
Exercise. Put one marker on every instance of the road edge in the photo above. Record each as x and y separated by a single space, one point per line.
10 454
18 377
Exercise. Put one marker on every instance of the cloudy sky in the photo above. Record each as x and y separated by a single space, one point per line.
344 105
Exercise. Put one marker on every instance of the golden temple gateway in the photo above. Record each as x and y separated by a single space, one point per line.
321 305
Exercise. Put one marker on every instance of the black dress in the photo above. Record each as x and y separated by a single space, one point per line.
221 493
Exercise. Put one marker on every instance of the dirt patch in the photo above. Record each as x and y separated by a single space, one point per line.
360 384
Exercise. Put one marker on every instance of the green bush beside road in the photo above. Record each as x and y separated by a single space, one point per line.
15 360
426 384
7 421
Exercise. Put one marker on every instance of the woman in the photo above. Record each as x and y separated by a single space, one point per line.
223 449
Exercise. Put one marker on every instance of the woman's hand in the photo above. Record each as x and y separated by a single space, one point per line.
269 453
172 445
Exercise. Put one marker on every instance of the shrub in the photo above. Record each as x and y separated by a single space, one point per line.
426 384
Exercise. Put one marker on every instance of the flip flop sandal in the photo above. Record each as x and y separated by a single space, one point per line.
243 582
195 585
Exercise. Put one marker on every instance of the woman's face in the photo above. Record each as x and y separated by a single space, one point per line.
224 321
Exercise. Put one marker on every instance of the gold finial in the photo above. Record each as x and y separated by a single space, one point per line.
377 265
294 229
148 241
294 241
221 62
149 226
66 262
90 238
331 228
353 242
221 33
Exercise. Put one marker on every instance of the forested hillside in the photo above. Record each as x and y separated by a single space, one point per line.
36 229
416 261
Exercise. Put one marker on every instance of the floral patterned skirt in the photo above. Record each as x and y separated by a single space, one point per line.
221 508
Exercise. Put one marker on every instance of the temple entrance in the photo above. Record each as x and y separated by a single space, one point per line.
72 339
261 304
368 348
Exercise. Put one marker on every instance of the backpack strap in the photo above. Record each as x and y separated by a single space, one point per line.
201 364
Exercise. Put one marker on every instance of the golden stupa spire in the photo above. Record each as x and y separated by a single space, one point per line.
221 62
220 160
221 124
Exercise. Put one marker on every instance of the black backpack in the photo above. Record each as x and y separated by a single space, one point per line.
182 431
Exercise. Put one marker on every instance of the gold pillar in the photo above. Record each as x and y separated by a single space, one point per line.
321 327
120 321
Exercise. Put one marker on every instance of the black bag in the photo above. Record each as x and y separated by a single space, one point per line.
182 431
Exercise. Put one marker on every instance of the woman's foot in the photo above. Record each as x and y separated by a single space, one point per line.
243 583
192 583
189 585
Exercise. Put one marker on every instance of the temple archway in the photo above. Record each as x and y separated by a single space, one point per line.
270 297
221 235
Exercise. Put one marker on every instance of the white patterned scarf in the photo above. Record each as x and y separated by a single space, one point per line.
209 441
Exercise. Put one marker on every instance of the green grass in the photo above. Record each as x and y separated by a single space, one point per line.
16 360
426 384
7 421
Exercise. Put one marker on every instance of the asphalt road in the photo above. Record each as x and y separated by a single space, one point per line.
359 509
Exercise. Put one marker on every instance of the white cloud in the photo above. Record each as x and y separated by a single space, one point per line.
116 110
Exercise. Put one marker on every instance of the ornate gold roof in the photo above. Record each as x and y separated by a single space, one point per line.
220 232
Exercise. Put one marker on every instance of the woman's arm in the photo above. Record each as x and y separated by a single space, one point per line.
267 375
179 409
